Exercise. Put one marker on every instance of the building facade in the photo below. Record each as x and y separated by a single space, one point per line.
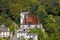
28 20
26 36
4 32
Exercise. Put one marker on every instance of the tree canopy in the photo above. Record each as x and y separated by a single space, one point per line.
48 12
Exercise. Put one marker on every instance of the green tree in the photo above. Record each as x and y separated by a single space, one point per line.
30 38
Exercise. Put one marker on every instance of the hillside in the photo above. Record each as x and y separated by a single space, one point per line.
48 12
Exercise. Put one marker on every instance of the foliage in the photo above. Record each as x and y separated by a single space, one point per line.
22 38
48 12
41 35
31 39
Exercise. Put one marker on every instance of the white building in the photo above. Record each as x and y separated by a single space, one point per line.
29 25
24 27
4 32
27 21
27 36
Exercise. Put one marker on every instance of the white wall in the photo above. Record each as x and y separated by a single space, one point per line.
31 26
4 34
22 16
27 36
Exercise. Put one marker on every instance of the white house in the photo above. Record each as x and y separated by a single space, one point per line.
26 35
29 20
4 32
